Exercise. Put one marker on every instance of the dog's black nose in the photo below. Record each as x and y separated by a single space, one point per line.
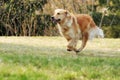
52 17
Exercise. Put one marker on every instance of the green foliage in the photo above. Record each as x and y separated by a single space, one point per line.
113 31
107 20
102 2
18 18
96 17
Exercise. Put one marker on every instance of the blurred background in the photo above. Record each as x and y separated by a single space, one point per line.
32 17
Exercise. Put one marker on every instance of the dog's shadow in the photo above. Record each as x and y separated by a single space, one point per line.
97 54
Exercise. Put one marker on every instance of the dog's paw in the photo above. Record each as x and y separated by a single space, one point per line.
69 50
77 51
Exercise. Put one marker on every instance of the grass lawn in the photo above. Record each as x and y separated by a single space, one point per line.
46 58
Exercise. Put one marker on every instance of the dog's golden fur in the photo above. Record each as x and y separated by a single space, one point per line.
75 27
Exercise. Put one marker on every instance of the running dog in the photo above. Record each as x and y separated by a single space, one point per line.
76 27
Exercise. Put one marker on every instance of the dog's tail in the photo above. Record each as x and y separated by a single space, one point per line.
100 32
96 32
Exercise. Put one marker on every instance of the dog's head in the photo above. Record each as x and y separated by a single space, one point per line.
60 15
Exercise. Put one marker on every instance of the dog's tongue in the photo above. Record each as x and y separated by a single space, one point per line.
54 20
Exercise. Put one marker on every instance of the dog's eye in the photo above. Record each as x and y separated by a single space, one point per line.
58 13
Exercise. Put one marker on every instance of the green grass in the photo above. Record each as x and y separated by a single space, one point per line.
46 58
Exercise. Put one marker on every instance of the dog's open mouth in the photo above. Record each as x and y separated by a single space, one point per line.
55 20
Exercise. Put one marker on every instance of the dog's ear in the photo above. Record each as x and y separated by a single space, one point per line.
67 13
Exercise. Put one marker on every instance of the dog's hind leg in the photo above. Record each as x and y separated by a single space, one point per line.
84 41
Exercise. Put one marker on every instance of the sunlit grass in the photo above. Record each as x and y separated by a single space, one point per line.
46 58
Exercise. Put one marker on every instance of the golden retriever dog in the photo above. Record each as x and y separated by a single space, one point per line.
76 27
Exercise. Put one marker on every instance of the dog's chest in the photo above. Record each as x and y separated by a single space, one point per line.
68 32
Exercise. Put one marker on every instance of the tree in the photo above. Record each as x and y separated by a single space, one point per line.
17 17
32 17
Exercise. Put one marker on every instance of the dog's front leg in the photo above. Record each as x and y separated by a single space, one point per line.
72 45
84 41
